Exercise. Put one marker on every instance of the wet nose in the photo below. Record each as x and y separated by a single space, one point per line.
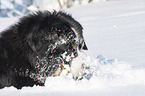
83 46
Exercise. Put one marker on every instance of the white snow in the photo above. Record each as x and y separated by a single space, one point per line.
6 4
115 35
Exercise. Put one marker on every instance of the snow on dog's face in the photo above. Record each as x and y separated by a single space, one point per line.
56 45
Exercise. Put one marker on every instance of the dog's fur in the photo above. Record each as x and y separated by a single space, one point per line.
37 46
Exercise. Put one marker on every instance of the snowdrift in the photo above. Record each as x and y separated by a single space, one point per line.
115 35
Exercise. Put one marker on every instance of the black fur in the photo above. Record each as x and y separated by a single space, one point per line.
32 49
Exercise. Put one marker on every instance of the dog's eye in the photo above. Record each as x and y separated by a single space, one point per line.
74 46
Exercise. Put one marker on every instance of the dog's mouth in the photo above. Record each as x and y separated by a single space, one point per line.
74 61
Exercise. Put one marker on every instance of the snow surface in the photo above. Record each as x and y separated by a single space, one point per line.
114 29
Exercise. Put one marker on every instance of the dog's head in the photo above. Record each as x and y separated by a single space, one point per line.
56 39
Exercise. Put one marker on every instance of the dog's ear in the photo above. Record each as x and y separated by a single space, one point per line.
30 42
32 35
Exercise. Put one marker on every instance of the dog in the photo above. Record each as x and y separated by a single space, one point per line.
37 47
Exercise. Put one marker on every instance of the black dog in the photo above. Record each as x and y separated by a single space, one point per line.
37 46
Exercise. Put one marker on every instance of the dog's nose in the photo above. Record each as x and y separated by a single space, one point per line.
84 46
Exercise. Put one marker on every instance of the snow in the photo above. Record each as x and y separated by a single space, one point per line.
46 4
113 26
115 35
6 4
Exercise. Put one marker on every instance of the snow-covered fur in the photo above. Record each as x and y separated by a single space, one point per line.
38 46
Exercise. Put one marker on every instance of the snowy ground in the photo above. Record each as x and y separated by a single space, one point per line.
115 30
